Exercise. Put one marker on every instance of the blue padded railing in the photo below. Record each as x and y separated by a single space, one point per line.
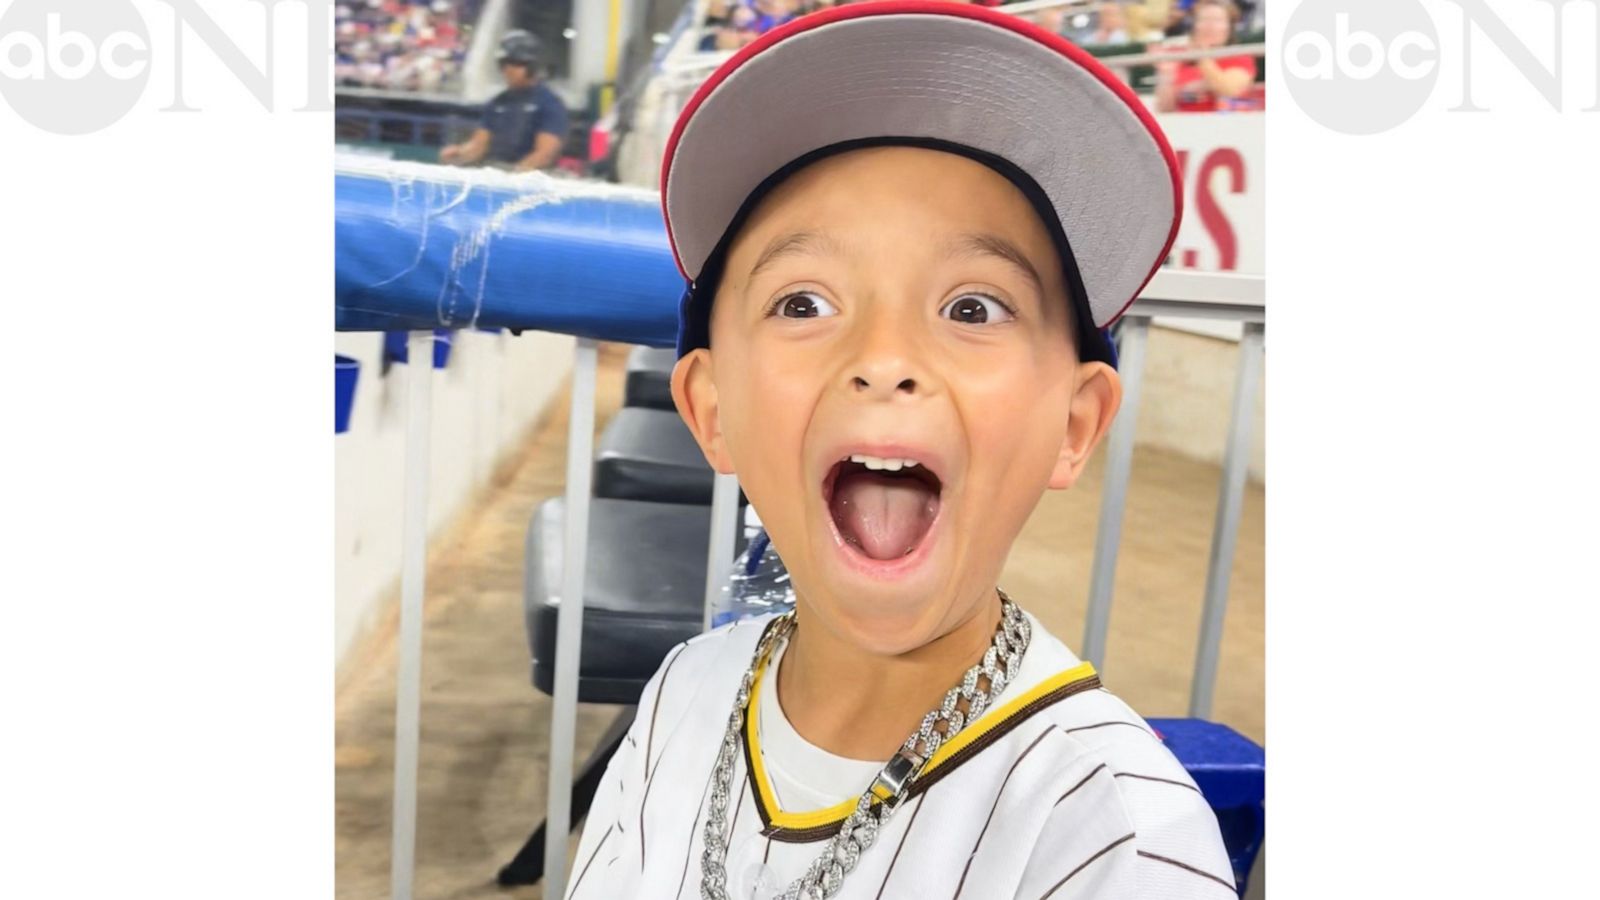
420 246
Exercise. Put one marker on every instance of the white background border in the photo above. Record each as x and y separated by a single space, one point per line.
1432 514
165 647
166 591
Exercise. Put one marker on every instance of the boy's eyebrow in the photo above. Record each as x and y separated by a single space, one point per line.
795 243
985 244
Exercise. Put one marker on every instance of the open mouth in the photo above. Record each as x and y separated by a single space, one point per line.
883 507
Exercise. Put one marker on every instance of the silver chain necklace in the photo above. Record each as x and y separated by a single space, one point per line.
822 880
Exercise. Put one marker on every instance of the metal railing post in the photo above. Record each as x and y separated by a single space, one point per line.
413 582
1114 491
1225 534
569 617
724 535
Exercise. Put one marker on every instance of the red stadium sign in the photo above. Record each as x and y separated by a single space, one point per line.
1221 156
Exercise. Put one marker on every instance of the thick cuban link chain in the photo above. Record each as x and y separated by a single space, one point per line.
979 688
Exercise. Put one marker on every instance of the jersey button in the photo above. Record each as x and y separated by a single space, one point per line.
759 883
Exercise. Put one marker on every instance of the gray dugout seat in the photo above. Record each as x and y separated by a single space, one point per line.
644 591
649 454
648 382
644 581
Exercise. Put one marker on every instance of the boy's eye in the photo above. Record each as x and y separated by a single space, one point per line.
804 305
976 309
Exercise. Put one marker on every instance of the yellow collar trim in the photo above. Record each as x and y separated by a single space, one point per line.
830 815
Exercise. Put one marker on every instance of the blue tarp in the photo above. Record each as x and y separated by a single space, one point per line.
419 247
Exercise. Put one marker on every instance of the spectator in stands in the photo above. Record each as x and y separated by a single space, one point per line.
1111 27
730 24
772 13
525 125
733 29
1252 15
1206 85
1179 18
1050 19
718 13
1177 24
1144 22
398 44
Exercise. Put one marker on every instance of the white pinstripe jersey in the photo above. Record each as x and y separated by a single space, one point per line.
1059 790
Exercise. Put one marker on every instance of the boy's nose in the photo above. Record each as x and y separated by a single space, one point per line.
887 369
906 385
887 361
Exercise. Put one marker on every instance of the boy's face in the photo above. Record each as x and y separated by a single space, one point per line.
894 304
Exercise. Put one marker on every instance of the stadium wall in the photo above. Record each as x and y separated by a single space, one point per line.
494 391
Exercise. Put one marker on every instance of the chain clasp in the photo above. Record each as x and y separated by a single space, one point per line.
890 785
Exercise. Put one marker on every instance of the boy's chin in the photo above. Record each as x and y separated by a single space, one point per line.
885 618
874 633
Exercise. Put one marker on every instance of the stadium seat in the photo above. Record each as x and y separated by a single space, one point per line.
649 454
649 378
1231 771
644 591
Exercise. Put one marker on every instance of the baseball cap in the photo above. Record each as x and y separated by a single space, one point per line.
964 79
520 47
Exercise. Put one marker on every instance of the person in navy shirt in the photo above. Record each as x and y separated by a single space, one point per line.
525 125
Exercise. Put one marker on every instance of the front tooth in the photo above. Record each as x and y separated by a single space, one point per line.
873 462
893 465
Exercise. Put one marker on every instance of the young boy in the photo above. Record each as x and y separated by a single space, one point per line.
905 225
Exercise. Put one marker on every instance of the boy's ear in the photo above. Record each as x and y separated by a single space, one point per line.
1095 399
695 394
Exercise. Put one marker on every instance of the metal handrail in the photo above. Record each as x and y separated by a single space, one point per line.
1181 54
1033 6
1216 295
403 96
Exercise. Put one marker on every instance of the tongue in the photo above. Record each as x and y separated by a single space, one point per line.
883 515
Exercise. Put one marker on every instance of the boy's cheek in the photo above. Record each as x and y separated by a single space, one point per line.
764 409
1015 438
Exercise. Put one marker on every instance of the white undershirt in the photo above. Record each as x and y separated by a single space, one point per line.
805 777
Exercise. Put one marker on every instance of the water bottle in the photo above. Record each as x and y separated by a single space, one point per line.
758 584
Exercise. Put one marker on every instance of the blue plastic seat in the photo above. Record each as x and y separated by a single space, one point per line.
1231 771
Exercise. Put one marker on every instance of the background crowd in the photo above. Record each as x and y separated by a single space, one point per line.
1220 84
419 45
730 24
1116 22
407 45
